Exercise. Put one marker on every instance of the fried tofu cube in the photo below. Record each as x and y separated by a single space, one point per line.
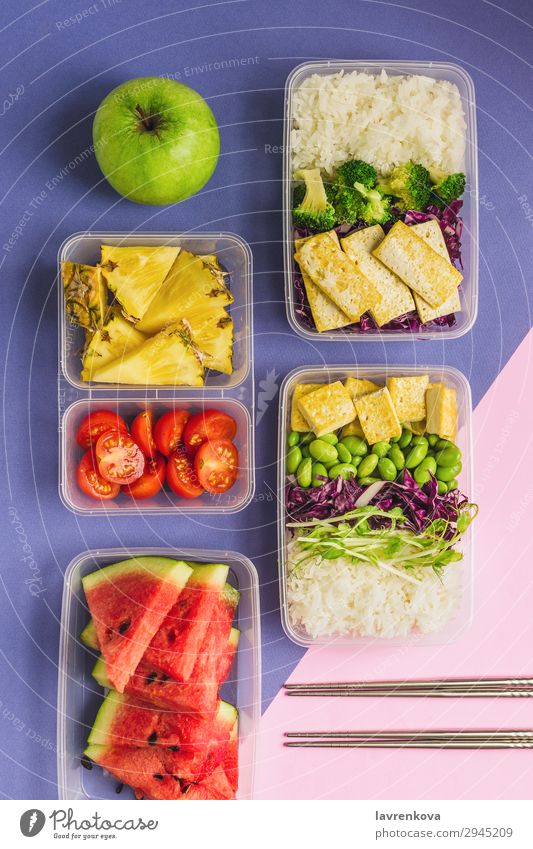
336 275
377 416
326 314
358 386
396 297
418 265
409 396
353 429
418 428
327 408
298 423
431 233
441 404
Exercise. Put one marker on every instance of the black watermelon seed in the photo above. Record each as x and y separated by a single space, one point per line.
152 739
123 627
150 678
173 748
119 788
86 762
164 678
158 776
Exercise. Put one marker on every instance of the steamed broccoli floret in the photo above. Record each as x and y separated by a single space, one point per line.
314 210
410 184
356 171
448 188
374 209
348 205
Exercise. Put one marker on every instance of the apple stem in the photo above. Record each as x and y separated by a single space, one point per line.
149 122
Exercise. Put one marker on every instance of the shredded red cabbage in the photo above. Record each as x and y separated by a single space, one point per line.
332 498
451 225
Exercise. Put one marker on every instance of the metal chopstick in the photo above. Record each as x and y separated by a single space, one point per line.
495 734
454 683
443 692
409 744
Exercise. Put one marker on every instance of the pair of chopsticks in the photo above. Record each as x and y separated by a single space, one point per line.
443 688
495 739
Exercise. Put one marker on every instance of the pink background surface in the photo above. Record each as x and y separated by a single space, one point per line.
499 643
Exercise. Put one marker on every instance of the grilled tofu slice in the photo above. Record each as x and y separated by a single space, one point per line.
326 314
418 265
378 416
337 276
409 396
396 297
327 408
298 423
431 233
441 404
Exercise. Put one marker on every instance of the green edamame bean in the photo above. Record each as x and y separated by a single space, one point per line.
305 450
449 456
444 443
331 438
342 470
304 472
387 469
432 439
367 466
395 439
344 454
356 460
419 440
442 488
448 473
452 485
397 457
331 463
294 439
405 438
355 445
306 438
294 458
323 451
318 471
381 448
367 481
416 455
424 470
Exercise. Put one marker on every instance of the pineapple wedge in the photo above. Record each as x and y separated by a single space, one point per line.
213 264
85 294
135 274
171 358
189 290
212 331
110 342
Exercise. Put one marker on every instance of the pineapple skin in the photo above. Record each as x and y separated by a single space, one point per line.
85 294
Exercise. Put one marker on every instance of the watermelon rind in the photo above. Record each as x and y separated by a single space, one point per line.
103 723
208 574
159 567
88 636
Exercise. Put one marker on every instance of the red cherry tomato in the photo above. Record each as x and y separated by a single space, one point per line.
209 424
119 458
141 430
152 479
181 476
96 423
168 430
92 483
217 464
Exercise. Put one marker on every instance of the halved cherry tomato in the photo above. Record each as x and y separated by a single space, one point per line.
96 423
181 476
209 424
152 479
141 430
92 483
168 430
119 458
217 464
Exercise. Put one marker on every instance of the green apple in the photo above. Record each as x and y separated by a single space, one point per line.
156 140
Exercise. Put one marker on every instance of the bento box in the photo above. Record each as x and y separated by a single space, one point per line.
458 616
299 308
79 695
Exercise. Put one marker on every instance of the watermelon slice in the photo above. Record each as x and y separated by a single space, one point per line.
226 657
210 665
231 760
159 690
142 769
216 786
176 645
125 721
89 637
128 602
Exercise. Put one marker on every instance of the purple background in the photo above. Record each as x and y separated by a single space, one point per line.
64 73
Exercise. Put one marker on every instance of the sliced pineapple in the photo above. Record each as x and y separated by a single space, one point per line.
189 290
171 358
214 266
213 333
111 342
85 294
135 274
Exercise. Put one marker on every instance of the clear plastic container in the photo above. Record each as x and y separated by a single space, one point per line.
327 374
234 254
165 501
470 239
79 695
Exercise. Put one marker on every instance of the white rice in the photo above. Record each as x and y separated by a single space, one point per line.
383 120
335 597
